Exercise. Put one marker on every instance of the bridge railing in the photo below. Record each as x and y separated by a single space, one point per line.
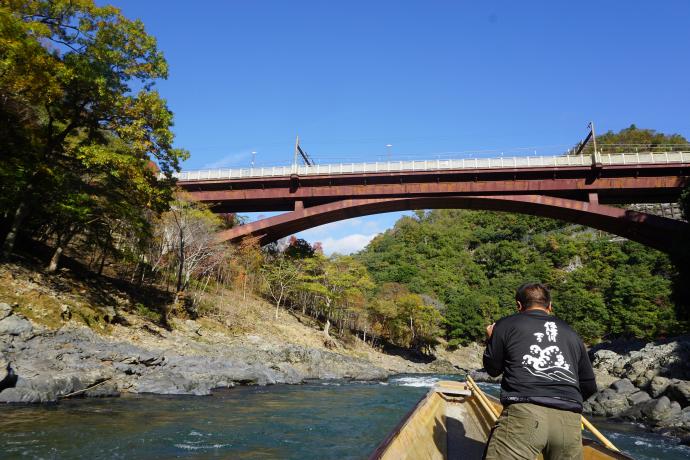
633 158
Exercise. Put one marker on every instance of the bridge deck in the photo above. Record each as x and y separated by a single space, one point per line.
632 158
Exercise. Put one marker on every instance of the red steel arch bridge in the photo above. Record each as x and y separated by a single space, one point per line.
591 190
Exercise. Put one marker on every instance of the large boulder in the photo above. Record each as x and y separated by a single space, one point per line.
20 395
607 361
15 325
49 388
638 397
623 386
661 411
658 386
679 391
608 403
603 378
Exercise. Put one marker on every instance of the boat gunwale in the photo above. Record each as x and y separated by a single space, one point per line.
385 443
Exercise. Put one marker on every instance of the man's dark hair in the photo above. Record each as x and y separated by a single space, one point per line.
533 294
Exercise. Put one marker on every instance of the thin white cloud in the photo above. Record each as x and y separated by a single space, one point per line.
333 227
232 159
347 244
368 225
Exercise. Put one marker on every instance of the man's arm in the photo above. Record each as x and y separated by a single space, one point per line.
588 385
493 354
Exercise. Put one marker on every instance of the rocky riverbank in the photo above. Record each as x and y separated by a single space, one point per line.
645 383
44 365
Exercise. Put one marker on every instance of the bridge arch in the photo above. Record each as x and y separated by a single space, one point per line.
654 231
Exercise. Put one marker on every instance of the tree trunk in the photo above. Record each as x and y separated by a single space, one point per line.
19 216
278 303
52 266
101 265
62 243
181 264
326 327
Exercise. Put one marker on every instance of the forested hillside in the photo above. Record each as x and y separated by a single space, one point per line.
472 262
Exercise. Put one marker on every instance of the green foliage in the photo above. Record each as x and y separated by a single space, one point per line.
633 139
83 132
473 261
146 312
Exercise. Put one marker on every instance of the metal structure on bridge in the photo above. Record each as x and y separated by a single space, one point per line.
574 188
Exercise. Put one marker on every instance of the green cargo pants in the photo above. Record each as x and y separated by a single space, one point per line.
525 430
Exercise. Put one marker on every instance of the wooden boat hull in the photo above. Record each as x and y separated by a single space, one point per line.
451 422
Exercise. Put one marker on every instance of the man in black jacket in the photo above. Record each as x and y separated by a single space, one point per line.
546 376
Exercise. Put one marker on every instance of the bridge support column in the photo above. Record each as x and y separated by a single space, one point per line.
594 198
299 205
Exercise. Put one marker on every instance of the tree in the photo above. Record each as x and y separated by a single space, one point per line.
280 277
632 139
472 262
299 248
75 126
188 232
248 262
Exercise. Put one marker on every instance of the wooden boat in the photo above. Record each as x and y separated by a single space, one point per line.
453 421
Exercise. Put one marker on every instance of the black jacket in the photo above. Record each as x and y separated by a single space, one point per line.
542 359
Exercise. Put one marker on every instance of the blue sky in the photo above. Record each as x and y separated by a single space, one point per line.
426 77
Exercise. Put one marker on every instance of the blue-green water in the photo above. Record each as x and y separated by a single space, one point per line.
320 420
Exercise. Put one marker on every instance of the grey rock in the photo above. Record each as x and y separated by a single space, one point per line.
603 379
605 359
4 369
15 325
642 362
107 390
658 386
5 310
679 391
609 403
644 379
685 417
20 395
638 397
73 358
593 407
623 386
661 409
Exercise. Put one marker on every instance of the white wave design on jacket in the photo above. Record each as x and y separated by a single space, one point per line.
548 362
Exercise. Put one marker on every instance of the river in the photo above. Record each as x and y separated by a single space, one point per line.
318 420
